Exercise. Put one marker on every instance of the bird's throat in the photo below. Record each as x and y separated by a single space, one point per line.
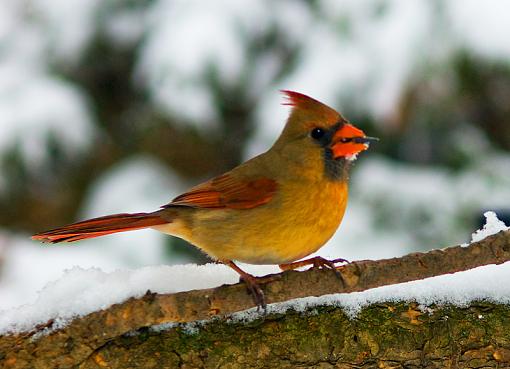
335 169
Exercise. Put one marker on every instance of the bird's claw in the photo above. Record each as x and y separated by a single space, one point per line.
253 285
321 263
256 292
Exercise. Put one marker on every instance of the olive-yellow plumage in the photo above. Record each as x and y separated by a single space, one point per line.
302 215
273 209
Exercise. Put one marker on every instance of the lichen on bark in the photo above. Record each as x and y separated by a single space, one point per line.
392 335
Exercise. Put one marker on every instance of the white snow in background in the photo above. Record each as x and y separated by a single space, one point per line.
190 38
482 26
396 44
388 45
135 185
67 25
139 184
368 65
398 197
79 291
33 106
126 26
487 183
33 101
492 226
6 18
402 196
22 42
38 30
353 241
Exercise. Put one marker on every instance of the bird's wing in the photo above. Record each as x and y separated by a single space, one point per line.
227 191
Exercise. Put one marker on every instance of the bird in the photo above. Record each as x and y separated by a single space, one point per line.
276 208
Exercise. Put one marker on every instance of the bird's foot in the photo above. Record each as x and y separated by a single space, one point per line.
254 289
253 284
317 262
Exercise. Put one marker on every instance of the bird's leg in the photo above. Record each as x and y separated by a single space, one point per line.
252 283
316 262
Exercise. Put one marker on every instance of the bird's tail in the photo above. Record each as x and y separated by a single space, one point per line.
100 227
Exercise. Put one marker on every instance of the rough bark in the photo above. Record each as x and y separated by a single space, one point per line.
382 336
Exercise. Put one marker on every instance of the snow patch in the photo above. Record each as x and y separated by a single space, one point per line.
178 60
82 291
33 107
67 25
489 37
492 226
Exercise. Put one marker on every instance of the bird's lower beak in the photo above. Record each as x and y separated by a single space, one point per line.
349 141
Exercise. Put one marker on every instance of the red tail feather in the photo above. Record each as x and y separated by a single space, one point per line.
100 227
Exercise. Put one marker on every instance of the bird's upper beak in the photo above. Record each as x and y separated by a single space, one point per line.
349 140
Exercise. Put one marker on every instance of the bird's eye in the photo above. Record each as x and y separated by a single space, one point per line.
317 133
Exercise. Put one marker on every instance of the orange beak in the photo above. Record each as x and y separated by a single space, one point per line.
349 141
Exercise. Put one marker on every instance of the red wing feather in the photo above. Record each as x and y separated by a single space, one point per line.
228 192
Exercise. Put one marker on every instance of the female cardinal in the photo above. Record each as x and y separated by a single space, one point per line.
273 209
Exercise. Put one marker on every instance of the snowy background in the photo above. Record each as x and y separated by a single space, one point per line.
119 106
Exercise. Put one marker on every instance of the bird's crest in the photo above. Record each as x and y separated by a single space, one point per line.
299 100
305 105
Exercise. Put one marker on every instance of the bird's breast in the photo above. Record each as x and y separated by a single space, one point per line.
316 215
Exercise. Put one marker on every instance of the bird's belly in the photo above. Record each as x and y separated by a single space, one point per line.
280 233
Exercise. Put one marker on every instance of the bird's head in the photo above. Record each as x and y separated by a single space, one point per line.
316 131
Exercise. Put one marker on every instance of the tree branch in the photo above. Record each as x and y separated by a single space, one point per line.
73 344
